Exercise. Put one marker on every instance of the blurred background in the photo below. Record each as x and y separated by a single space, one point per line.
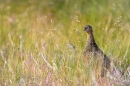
41 41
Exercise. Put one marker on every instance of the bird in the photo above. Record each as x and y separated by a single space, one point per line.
92 50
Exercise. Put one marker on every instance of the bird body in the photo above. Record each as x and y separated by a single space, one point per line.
92 50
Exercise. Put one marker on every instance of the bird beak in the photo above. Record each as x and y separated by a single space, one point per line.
85 28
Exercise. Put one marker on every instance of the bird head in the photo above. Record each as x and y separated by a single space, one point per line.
88 29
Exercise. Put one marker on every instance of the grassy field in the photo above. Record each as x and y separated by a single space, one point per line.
41 42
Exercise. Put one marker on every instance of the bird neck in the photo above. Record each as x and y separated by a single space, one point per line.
90 38
90 41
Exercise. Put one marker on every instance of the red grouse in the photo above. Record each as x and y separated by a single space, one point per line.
92 50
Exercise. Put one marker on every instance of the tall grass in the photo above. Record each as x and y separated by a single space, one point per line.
41 42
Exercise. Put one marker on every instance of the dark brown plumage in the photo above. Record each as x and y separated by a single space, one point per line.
92 50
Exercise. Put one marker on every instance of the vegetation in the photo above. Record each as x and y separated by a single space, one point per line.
41 42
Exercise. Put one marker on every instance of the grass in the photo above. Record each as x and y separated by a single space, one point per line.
41 42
